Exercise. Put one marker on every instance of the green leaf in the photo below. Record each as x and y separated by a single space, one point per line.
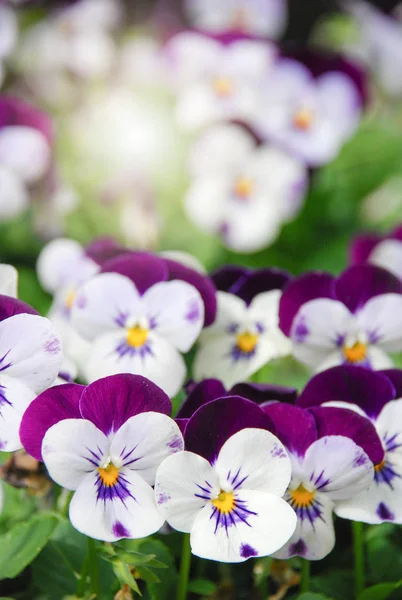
23 542
147 574
203 587
124 575
381 591
312 596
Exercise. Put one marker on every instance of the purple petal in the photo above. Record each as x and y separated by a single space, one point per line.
362 246
370 390
182 423
201 282
110 401
201 393
12 306
341 421
361 282
396 234
262 280
15 112
262 392
229 277
142 268
295 427
214 423
51 406
301 290
395 376
103 249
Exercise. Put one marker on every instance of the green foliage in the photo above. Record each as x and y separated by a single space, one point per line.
381 591
202 587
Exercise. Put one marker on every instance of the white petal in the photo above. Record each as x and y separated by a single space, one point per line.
316 329
103 303
8 280
254 459
312 540
340 100
192 56
8 30
378 359
162 364
144 441
184 484
338 467
15 397
73 448
14 196
267 525
176 310
264 309
30 350
205 202
131 512
25 151
231 310
381 317
388 254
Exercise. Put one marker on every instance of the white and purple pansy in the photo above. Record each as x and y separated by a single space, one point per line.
355 318
383 251
139 322
310 111
25 151
105 442
217 78
255 17
332 451
30 359
226 488
377 396
239 186
246 334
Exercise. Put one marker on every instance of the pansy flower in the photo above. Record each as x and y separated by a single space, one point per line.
355 318
30 358
25 147
332 451
310 116
139 321
384 251
245 335
225 489
378 397
8 35
8 280
255 17
105 442
217 79
242 191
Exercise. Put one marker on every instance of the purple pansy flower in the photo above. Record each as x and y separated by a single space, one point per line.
226 488
384 251
25 147
355 318
30 358
378 397
332 451
245 335
217 79
138 321
311 116
105 442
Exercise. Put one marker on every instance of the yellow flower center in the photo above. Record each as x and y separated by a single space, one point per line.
137 336
223 86
301 497
243 187
109 474
69 300
356 353
246 342
303 119
225 502
380 466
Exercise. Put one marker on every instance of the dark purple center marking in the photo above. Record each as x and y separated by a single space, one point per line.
384 513
247 551
120 531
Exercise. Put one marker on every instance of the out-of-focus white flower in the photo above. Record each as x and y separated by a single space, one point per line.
310 117
142 64
217 80
258 17
242 191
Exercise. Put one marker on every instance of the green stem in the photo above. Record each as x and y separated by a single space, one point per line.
93 567
83 577
358 550
305 575
184 568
